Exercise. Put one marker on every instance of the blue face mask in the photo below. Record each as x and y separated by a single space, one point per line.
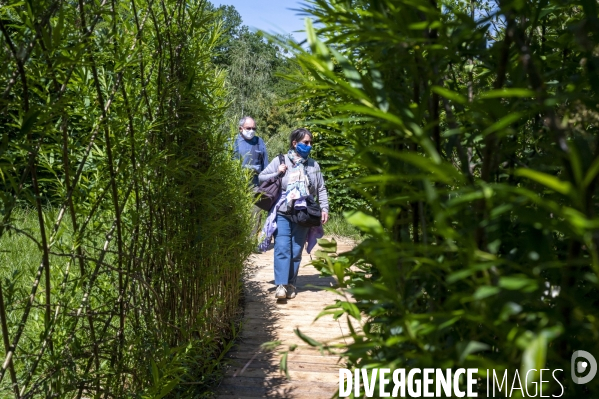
303 150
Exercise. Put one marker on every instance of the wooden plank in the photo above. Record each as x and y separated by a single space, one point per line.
313 329
240 366
254 373
296 374
270 382
312 357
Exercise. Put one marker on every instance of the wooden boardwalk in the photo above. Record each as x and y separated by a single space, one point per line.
254 373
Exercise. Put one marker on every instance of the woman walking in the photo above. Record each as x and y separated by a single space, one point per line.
301 178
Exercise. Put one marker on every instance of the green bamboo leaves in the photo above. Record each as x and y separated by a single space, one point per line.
474 126
124 224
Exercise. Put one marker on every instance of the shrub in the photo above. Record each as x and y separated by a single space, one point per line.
109 114
476 128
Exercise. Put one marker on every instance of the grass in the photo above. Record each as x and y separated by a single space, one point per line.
337 226
18 252
21 257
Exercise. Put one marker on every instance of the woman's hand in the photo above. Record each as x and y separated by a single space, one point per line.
324 218
282 168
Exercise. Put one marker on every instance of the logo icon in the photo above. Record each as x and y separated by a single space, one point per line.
580 366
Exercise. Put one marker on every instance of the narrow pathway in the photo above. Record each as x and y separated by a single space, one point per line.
254 373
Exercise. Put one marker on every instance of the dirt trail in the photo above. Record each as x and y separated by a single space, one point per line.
254 373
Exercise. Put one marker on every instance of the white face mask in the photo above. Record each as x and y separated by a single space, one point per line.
248 134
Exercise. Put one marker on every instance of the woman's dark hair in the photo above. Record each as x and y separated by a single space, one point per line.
298 135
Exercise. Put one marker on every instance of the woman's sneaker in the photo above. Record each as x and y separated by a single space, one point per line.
291 291
281 292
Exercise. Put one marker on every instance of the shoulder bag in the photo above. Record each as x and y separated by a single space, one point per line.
311 216
269 191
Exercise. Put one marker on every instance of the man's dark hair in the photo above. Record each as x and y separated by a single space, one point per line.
298 135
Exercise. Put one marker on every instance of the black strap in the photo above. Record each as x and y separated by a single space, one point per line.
282 162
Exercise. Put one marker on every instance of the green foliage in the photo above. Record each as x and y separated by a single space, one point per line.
254 85
124 224
338 226
231 27
339 176
475 127
278 144
255 63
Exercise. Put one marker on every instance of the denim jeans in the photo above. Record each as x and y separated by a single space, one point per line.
289 243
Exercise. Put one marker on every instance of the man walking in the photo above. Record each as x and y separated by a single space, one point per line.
251 148
252 151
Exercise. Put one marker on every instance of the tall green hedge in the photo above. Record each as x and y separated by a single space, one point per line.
124 223
476 126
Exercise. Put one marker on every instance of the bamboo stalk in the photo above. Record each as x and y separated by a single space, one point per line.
172 292
7 347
